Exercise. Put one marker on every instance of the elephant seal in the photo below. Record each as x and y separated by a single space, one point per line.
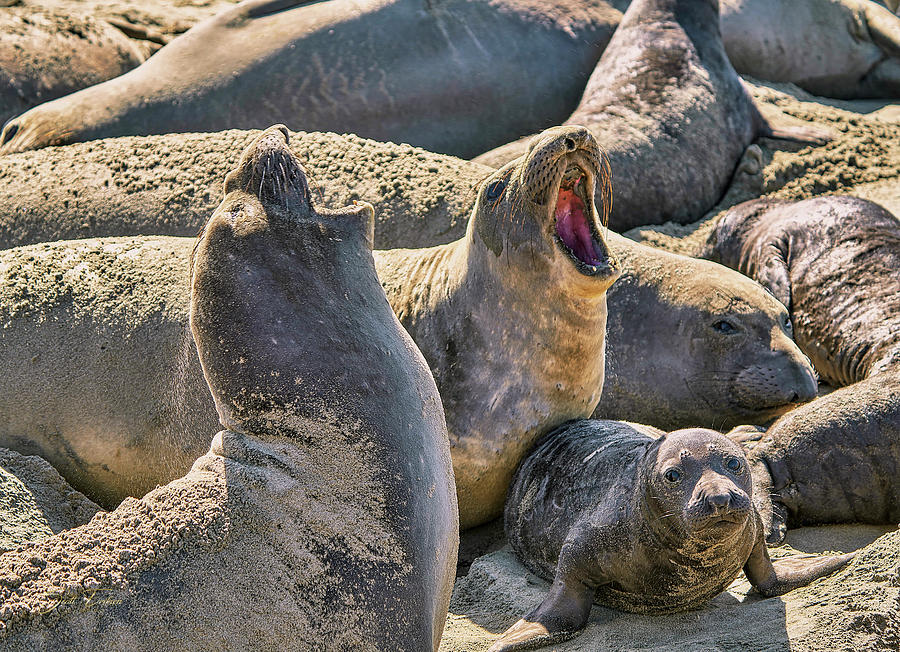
47 54
692 343
638 520
107 317
479 67
662 92
836 48
507 373
324 514
833 261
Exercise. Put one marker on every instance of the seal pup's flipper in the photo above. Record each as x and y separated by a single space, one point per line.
561 616
777 578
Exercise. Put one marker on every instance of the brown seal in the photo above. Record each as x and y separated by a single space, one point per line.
324 515
663 91
45 54
833 261
640 521
453 76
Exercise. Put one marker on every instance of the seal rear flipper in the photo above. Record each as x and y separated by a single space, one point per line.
561 616
777 578
805 135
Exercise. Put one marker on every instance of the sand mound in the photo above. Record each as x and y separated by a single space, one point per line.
854 609
35 501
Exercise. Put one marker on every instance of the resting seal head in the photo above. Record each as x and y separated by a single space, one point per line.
638 520
693 343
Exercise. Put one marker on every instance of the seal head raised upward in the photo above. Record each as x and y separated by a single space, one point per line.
309 367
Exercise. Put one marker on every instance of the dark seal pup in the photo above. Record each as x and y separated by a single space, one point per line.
833 261
640 521
669 110
454 76
324 515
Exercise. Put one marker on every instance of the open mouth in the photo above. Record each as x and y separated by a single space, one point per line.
576 229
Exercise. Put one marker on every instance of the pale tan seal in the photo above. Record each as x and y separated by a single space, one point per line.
324 515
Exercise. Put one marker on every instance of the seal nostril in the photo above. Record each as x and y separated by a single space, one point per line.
9 132
570 144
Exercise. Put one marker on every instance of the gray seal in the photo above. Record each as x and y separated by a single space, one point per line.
833 261
638 520
662 93
451 76
324 514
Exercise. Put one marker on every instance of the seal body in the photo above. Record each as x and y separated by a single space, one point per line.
46 54
638 520
662 92
479 67
836 48
332 482
833 261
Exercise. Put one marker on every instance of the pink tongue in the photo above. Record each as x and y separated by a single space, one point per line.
572 227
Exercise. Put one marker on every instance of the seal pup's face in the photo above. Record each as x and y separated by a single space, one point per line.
538 213
698 486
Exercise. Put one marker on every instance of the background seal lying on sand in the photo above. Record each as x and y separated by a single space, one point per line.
324 514
834 262
637 520
368 67
671 113
47 54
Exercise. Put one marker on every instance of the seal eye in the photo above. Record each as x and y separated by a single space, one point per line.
788 326
724 327
672 475
734 465
495 189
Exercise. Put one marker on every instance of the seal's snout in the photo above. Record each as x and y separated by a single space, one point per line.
566 171
271 172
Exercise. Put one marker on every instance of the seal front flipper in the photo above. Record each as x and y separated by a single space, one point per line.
561 616
779 577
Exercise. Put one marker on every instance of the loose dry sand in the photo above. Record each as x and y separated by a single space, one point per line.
35 501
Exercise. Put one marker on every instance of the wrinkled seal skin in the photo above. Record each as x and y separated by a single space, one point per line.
638 520
324 514
46 54
348 66
507 373
833 261
663 91
691 343
836 48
